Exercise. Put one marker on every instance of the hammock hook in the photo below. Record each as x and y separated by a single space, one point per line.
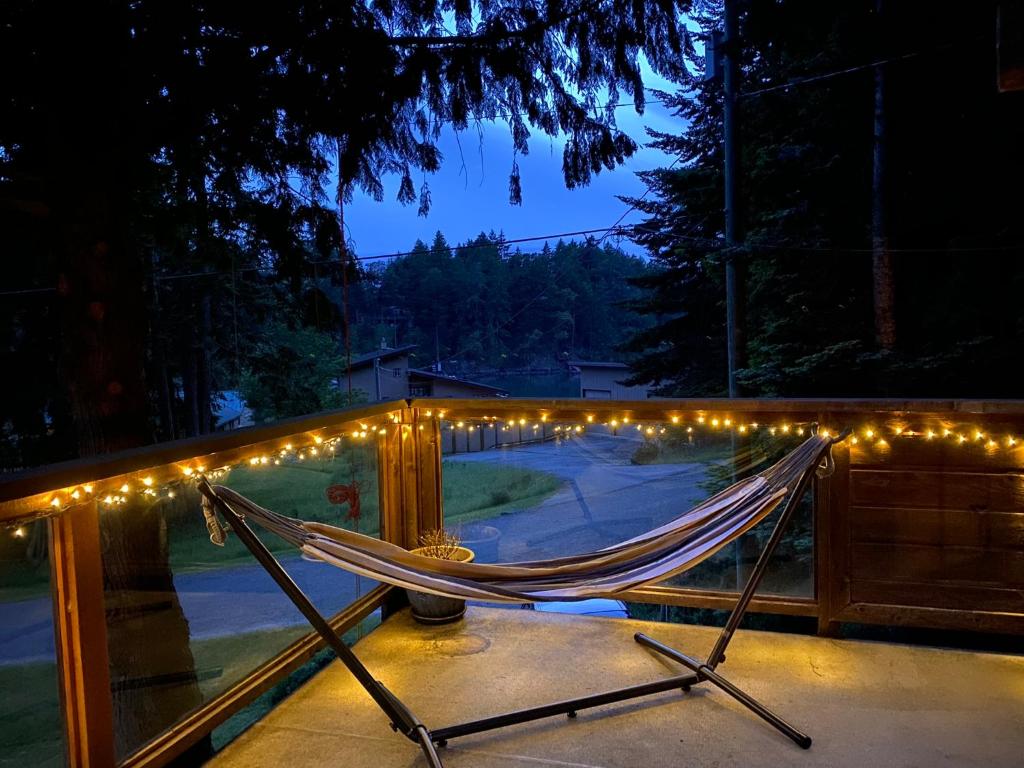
828 465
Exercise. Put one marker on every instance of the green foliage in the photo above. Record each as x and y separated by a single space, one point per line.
197 199
294 372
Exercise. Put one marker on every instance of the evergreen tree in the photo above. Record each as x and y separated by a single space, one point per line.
808 200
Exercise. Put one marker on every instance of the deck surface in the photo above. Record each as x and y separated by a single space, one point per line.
867 705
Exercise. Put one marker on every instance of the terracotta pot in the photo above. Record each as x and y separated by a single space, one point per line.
435 609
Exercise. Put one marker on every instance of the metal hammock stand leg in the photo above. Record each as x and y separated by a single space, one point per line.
402 718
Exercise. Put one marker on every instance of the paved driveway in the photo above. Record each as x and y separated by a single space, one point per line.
605 498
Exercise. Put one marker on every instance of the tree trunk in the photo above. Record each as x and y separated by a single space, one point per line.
90 185
883 277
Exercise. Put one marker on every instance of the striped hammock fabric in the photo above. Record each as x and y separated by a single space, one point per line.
659 554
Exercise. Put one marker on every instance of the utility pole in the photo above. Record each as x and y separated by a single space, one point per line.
735 268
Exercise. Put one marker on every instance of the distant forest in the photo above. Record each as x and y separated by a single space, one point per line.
483 306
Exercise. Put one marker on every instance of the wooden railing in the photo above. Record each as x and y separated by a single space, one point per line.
922 524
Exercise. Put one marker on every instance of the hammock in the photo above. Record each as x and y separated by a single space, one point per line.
672 548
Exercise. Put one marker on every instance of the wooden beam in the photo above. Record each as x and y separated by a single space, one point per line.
81 637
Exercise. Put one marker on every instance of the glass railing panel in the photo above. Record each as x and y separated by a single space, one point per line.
31 727
544 489
187 619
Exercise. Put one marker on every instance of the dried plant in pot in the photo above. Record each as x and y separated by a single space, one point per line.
437 609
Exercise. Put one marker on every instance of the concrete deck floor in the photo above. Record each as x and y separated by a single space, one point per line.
865 704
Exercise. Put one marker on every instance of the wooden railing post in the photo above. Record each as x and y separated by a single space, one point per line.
409 470
81 635
831 506
426 446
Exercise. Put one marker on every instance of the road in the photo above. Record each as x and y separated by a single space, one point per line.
604 499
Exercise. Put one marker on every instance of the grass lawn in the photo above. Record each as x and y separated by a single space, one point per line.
479 491
30 722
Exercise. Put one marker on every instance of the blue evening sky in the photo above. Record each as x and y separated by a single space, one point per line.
474 198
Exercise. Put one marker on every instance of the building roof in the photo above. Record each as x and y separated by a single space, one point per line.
381 354
422 374
596 364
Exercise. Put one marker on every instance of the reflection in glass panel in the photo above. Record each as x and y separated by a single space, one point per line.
580 490
31 728
187 619
236 725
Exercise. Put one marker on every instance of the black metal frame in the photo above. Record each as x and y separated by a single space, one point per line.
403 720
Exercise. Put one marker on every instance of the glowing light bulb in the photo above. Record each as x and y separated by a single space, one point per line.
87 488
675 419
869 433
459 424
700 419
187 471
742 429
55 502
930 435
961 438
124 488
615 423
785 427
714 422
727 422
689 430
625 419
147 481
978 435
590 419
522 422
75 494
429 413
854 440
1011 441
826 433
19 533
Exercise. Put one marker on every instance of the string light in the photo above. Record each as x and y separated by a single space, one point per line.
146 486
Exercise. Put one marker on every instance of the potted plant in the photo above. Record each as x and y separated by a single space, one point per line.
436 609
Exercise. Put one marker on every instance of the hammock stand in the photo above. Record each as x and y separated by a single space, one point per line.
403 720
